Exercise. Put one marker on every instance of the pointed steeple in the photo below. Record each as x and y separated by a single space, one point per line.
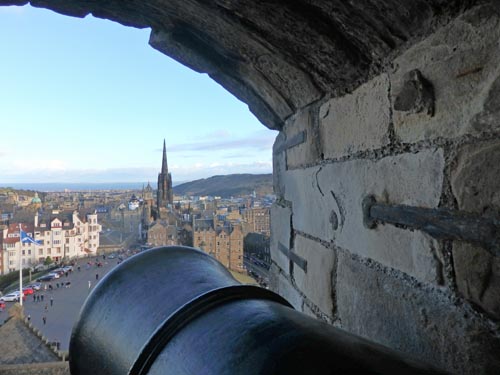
164 166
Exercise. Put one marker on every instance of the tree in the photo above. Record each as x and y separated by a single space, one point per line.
48 261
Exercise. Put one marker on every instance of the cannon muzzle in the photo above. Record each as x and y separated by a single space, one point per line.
176 310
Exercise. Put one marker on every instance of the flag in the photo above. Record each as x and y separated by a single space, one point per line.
27 239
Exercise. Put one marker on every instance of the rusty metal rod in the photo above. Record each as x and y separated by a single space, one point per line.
440 223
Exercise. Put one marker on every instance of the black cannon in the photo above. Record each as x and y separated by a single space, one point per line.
175 310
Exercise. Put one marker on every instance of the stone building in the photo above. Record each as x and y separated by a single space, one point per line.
61 235
224 243
258 219
161 233
379 106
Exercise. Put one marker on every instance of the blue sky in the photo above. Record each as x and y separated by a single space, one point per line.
88 100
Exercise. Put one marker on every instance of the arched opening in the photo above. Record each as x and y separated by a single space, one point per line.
96 84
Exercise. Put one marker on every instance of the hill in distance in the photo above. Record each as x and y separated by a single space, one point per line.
228 185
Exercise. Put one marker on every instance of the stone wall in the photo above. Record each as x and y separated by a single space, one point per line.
50 368
424 132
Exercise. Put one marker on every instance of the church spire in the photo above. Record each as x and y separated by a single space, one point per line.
164 166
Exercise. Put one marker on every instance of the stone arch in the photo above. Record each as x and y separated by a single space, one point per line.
320 48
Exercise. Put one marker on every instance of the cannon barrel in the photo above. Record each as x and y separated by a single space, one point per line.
176 310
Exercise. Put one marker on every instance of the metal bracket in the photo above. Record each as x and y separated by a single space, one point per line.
299 261
293 141
440 223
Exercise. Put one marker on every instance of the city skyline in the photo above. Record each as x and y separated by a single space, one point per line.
88 100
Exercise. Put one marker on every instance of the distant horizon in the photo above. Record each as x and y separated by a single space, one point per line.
84 186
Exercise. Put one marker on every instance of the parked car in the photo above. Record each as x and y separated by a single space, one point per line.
48 277
2 306
35 286
55 274
58 271
67 268
28 290
12 297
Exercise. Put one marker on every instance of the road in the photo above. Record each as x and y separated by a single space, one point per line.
66 302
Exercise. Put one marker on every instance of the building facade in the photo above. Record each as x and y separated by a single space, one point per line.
160 233
61 236
224 243
258 220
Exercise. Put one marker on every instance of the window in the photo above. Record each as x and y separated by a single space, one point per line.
40 251
49 250
29 252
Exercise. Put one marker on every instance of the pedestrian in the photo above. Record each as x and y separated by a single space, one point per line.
46 307
41 297
44 318
34 297
45 287
58 345
67 273
90 284
78 268
51 301
96 276
38 298
29 317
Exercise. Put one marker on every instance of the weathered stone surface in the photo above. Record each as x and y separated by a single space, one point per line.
358 121
417 95
412 179
424 323
279 165
48 368
475 182
478 277
311 207
317 282
462 62
308 151
281 285
281 232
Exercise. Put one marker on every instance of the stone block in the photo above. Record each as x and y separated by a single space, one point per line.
285 289
462 63
475 184
327 204
279 165
311 207
306 152
281 232
424 323
316 284
358 121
